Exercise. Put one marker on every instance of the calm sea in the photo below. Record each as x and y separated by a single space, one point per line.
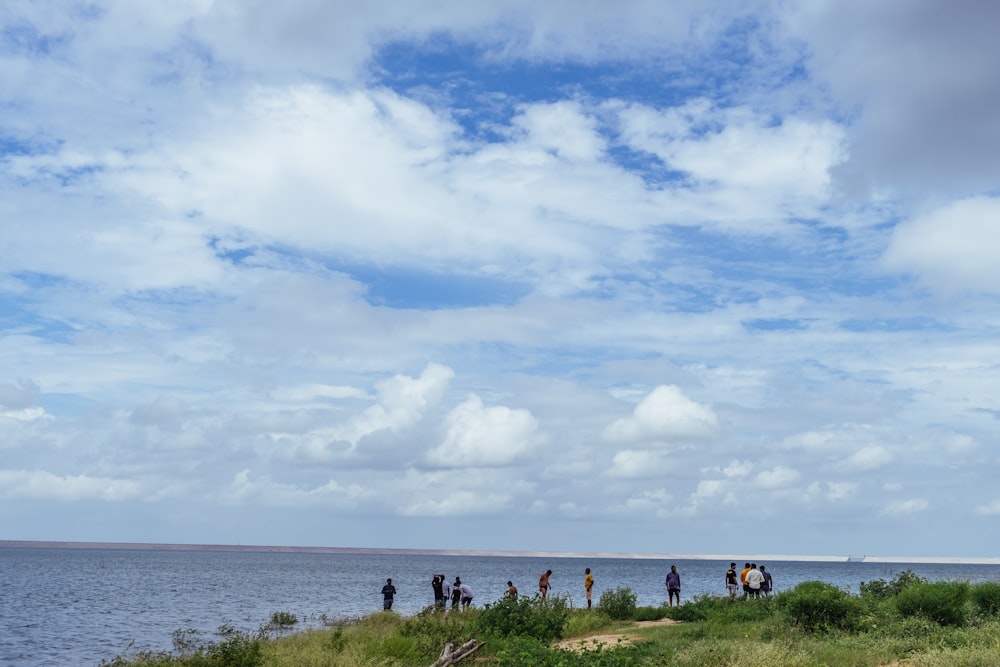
81 606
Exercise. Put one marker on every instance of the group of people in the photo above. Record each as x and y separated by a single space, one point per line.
756 581
459 594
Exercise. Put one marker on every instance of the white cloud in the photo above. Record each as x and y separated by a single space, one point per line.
868 458
840 490
634 464
901 507
458 503
43 485
310 392
247 489
742 167
989 509
776 478
951 248
24 414
401 402
738 469
485 436
665 414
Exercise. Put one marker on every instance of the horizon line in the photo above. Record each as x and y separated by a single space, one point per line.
165 546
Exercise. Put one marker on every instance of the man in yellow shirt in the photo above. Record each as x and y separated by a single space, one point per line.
588 583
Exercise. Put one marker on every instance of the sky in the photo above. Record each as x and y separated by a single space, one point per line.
634 277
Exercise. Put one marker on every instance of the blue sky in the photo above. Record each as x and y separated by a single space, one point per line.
689 277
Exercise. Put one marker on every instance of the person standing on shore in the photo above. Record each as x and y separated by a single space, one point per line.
588 585
437 583
388 591
731 586
673 586
743 580
456 593
754 580
511 590
466 595
543 583
445 591
768 584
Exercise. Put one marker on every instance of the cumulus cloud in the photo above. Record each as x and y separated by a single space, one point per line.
477 435
401 402
637 464
664 414
22 395
868 458
247 488
989 509
458 503
776 478
742 166
903 507
310 392
44 485
951 248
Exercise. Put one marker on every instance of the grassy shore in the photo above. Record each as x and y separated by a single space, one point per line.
906 621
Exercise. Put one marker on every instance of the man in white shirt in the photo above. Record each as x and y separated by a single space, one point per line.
754 580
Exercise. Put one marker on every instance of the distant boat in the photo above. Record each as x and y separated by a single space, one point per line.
855 559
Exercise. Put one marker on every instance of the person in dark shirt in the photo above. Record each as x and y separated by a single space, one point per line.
388 591
768 584
732 581
674 585
437 583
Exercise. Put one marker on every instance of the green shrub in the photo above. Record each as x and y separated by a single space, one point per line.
816 606
986 596
518 651
585 621
618 604
432 630
722 609
524 617
651 613
941 601
283 619
880 589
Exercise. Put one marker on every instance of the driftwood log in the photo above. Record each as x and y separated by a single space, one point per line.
451 655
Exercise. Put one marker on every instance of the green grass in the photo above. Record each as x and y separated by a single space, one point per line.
810 626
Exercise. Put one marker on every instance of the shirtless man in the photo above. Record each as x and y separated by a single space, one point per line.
543 583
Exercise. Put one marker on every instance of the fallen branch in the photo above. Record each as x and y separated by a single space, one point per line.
451 656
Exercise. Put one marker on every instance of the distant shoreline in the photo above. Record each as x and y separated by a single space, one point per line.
153 546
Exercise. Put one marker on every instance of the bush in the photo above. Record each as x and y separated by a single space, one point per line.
880 589
817 606
986 596
941 601
283 619
651 613
619 604
524 617
432 629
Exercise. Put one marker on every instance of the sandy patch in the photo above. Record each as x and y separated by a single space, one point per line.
610 640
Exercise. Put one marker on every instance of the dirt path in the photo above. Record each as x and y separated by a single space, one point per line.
610 640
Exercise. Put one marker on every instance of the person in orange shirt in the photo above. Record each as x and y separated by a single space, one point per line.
743 580
588 584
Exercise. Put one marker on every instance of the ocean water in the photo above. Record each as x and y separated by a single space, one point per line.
62 606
